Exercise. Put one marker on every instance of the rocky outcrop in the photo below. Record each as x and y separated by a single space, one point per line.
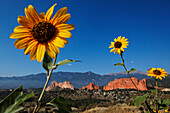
125 83
91 86
65 84
166 89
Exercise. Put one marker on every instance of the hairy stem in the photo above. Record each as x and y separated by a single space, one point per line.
156 95
45 86
128 72
133 82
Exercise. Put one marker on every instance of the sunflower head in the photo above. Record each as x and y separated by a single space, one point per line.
158 73
118 45
38 33
155 111
167 110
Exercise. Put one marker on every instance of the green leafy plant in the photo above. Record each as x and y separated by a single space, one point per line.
11 103
60 103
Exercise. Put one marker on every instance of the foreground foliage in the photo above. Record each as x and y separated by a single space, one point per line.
11 104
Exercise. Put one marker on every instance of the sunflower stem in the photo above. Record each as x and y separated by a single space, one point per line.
133 82
156 95
45 86
128 72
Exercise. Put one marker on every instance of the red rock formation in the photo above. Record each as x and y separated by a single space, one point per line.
91 86
125 83
159 87
65 84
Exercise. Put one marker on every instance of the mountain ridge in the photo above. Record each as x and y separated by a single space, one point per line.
78 79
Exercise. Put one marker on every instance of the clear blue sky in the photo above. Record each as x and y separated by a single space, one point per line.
146 24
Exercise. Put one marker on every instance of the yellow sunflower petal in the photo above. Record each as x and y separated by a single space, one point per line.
149 74
40 52
19 35
50 52
159 69
53 47
64 40
25 22
166 110
58 42
124 46
22 43
111 46
30 46
21 29
64 34
67 27
112 43
59 13
112 50
152 69
62 20
160 77
122 49
162 69
115 40
163 76
28 15
33 53
119 38
50 12
119 51
34 13
123 38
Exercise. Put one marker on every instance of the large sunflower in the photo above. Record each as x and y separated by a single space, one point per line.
40 33
158 73
118 45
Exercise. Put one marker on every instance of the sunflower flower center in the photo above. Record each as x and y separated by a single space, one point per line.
117 44
156 72
43 31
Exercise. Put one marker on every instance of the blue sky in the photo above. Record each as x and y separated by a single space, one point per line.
97 22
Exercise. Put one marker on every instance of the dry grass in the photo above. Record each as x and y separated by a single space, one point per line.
119 108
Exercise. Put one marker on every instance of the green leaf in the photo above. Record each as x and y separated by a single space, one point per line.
132 69
159 101
138 100
11 103
145 95
20 99
15 110
118 64
161 107
166 101
47 62
61 104
151 102
10 99
66 61
153 91
154 108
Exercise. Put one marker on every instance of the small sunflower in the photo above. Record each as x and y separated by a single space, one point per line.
158 73
155 111
40 33
118 45
167 110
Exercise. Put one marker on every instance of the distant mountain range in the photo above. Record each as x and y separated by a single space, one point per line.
76 78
